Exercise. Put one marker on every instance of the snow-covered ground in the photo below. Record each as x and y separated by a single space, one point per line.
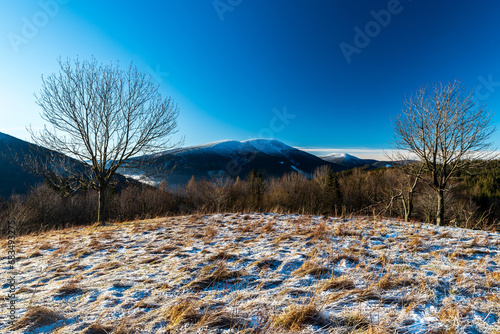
257 273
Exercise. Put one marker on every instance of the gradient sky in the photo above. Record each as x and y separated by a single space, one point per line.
237 68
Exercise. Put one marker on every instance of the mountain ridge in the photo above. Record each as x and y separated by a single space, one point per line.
225 158
233 158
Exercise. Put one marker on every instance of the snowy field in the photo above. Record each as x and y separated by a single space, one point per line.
257 273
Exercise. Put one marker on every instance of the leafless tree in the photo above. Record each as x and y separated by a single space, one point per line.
406 179
104 117
220 192
445 130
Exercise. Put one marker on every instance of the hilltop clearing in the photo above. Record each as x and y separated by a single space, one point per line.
257 273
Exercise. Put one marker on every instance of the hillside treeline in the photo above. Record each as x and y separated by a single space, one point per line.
472 199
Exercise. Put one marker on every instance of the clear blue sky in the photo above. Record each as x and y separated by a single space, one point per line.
233 66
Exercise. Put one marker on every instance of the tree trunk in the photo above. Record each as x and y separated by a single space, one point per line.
405 208
440 207
102 205
406 211
410 206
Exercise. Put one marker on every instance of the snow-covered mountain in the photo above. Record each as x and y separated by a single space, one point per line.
234 147
343 159
350 161
236 158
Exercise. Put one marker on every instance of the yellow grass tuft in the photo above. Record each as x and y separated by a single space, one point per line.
213 273
296 317
390 281
108 265
98 329
184 311
36 317
223 255
320 232
339 283
268 228
221 320
341 230
310 268
355 322
45 246
35 253
70 288
282 237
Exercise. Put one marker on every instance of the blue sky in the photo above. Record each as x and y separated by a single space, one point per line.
241 69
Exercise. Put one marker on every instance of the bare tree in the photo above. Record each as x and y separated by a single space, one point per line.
220 192
406 179
104 116
446 131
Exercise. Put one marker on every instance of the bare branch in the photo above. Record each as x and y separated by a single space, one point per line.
103 116
446 131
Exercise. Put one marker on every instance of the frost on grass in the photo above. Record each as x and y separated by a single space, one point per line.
257 273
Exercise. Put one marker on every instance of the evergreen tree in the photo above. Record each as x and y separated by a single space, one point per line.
333 194
256 189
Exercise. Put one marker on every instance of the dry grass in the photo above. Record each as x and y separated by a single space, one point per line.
69 288
35 253
98 329
339 283
183 311
212 273
354 322
347 257
223 255
108 265
282 237
295 317
256 273
222 320
311 268
268 228
319 232
342 230
36 317
210 232
392 281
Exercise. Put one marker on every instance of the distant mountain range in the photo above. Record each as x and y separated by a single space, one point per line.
350 161
233 158
229 158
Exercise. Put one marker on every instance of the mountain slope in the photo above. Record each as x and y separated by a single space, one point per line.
233 158
15 152
13 179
